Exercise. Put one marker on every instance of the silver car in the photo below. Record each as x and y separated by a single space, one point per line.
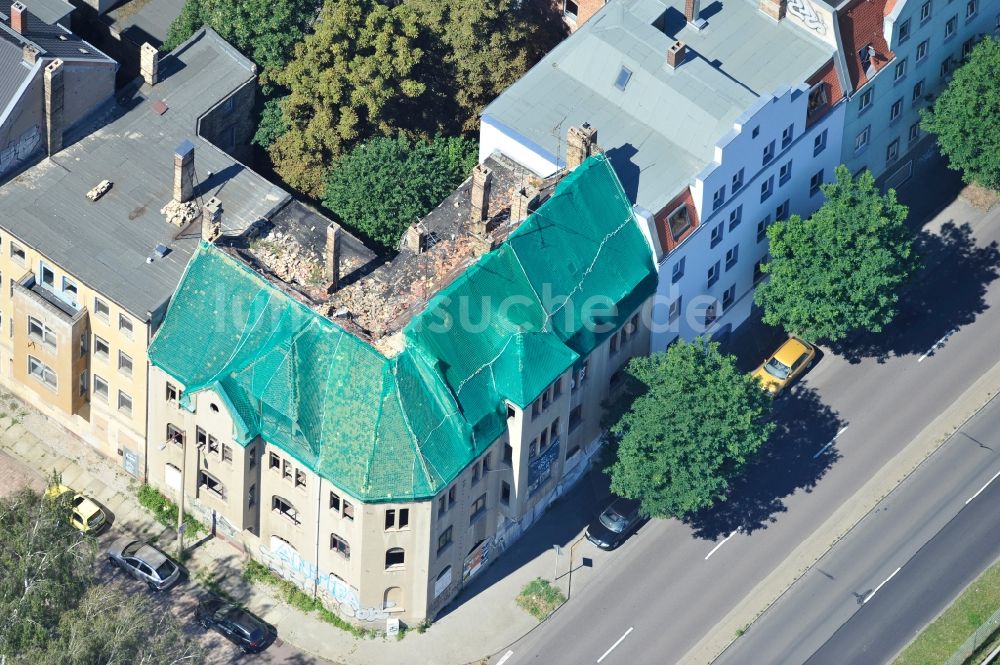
144 562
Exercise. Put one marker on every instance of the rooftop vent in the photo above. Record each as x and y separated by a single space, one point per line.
161 250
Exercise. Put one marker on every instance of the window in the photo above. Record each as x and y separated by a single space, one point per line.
348 510
394 558
390 518
732 256
781 212
340 546
442 506
100 388
575 417
892 152
42 372
756 132
918 90
125 403
737 181
125 325
711 313
866 99
175 434
274 462
768 154
861 140
124 363
533 449
570 9
766 189
758 271
227 106
719 197
819 143
814 182
624 74
101 309
785 173
505 493
735 217
895 110
286 467
900 69
717 235
904 31
475 473
675 310
48 278
677 271
967 47
945 67
762 228
819 97
252 496
171 392
679 221
444 540
971 7
84 383
285 508
728 297
478 508
300 475
211 483
69 287
334 502
17 253
922 49
713 273
41 332
786 136
101 348
404 518
914 133
925 11
950 26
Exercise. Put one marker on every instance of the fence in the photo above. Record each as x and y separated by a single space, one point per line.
976 640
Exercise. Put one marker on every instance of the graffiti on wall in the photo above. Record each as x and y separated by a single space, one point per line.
804 11
15 152
287 562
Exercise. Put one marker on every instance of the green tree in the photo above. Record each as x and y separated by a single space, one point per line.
380 187
841 269
966 117
694 428
353 78
272 123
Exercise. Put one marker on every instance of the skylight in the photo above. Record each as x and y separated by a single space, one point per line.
624 74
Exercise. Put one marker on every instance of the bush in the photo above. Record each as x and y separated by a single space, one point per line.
540 598
165 511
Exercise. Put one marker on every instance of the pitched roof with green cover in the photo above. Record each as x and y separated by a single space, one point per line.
402 428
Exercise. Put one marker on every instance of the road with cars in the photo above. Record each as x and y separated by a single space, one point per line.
667 587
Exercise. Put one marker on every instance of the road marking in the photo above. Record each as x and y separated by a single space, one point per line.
869 596
995 476
937 344
832 441
506 656
620 640
721 543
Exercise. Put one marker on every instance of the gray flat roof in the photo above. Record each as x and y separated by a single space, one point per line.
105 244
144 20
664 125
50 11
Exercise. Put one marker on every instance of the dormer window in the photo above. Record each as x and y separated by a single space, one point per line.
819 97
624 74
679 221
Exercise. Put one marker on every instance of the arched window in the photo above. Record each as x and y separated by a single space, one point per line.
394 557
392 599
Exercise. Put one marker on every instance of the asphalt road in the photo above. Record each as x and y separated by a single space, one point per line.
895 571
665 589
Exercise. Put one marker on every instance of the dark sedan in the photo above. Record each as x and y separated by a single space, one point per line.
616 523
249 633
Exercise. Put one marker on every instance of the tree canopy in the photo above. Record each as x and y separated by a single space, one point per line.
384 185
966 117
842 268
697 423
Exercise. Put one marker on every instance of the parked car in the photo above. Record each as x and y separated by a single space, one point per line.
144 562
615 524
87 516
790 360
250 633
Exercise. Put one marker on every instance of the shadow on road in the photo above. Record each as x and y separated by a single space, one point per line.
791 461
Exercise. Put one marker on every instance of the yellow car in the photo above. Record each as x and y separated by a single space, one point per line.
790 360
87 515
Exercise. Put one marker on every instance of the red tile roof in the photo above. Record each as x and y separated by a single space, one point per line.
834 92
860 27
667 241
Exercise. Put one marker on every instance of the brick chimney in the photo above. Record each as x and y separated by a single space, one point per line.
482 181
415 238
691 10
19 18
581 143
54 95
520 202
211 220
774 8
676 54
149 64
332 268
184 172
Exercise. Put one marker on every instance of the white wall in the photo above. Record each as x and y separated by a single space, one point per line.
494 136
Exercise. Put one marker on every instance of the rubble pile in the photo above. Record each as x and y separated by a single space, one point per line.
284 256
178 213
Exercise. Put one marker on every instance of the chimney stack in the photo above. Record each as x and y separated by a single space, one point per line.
332 267
149 64
211 220
19 18
482 181
415 238
676 54
184 172
29 54
581 143
691 10
54 95
774 8
520 203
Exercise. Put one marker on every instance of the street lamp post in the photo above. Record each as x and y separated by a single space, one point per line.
569 583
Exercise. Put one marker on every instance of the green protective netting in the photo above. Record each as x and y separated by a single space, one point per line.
401 428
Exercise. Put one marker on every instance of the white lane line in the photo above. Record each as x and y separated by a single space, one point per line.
832 441
720 544
995 476
937 344
869 596
620 640
505 658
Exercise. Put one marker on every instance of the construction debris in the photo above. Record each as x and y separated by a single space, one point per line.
180 214
100 190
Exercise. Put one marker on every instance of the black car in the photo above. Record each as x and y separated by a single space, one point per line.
249 633
616 523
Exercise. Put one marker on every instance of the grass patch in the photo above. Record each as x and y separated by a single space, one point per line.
941 639
165 511
540 598
256 572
